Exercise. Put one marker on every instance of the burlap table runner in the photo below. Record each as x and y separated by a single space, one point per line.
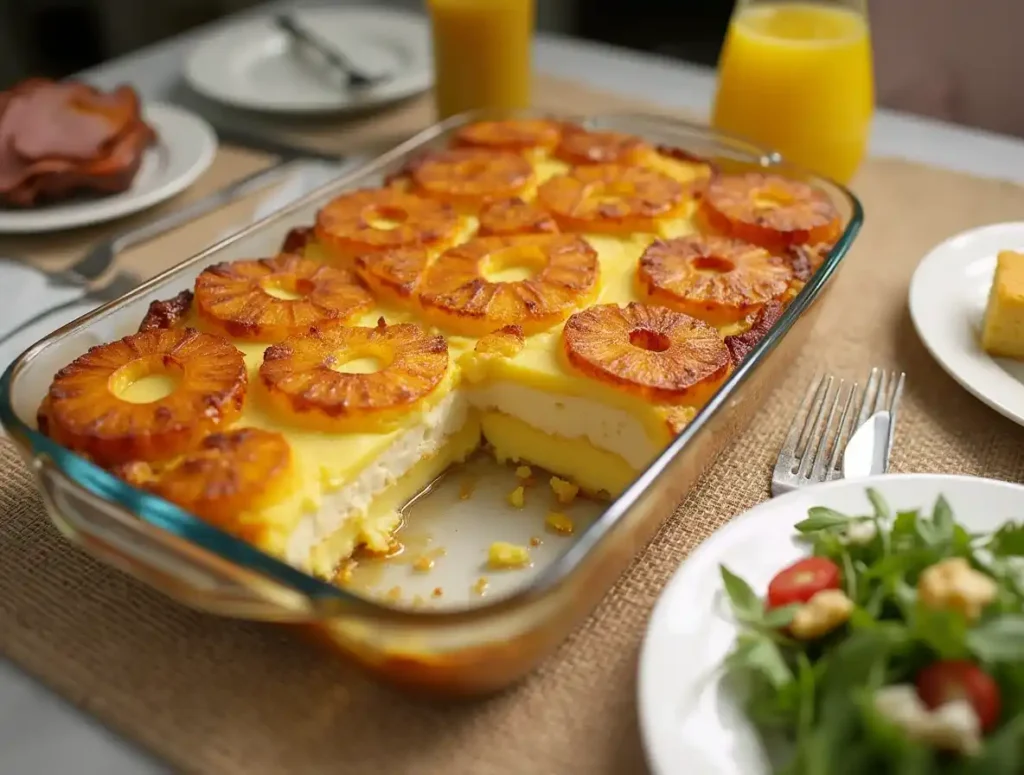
212 695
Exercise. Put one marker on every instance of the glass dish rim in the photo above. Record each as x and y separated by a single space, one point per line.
328 599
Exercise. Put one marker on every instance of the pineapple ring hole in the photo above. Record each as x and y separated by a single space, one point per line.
652 341
771 198
715 264
513 264
286 287
146 380
611 193
385 218
360 361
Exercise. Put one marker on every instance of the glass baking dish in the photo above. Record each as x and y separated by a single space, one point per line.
461 649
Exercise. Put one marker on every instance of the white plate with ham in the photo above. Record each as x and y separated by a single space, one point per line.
184 148
872 625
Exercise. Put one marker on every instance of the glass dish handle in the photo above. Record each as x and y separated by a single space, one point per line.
183 571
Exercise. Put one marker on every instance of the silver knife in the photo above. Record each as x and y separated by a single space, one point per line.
867 452
263 142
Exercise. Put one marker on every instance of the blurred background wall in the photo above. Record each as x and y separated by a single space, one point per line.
951 59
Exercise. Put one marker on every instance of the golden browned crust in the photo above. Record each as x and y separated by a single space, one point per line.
167 313
740 345
298 239
507 341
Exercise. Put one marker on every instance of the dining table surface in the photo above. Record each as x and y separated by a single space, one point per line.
41 733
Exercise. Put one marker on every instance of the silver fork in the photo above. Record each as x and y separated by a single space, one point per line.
826 421
94 273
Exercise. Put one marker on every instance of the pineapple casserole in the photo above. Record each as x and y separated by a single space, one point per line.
567 298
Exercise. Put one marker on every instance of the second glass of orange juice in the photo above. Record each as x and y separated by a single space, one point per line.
797 77
481 54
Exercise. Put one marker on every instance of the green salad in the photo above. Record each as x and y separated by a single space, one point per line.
896 646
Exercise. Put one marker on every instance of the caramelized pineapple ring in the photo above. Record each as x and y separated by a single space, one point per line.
394 274
609 197
85 412
662 355
511 135
470 176
769 210
167 313
306 376
514 216
693 171
717 279
228 474
562 274
271 298
382 219
578 146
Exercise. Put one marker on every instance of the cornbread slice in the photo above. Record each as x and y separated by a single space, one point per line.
1003 331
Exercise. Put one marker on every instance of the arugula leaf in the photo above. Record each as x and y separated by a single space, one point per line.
945 632
906 563
837 726
961 541
855 659
927 533
905 597
903 535
805 685
821 518
759 654
1007 541
942 520
745 602
998 640
780 617
878 504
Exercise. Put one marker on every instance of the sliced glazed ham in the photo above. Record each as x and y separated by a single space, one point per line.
60 139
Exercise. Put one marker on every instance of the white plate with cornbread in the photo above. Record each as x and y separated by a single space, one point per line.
971 316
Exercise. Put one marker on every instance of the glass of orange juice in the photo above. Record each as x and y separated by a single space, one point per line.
481 54
796 76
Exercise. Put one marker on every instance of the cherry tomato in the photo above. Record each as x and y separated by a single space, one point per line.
955 679
802 580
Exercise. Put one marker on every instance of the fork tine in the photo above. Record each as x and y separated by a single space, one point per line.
796 428
897 393
894 403
870 387
814 429
882 396
846 429
829 435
